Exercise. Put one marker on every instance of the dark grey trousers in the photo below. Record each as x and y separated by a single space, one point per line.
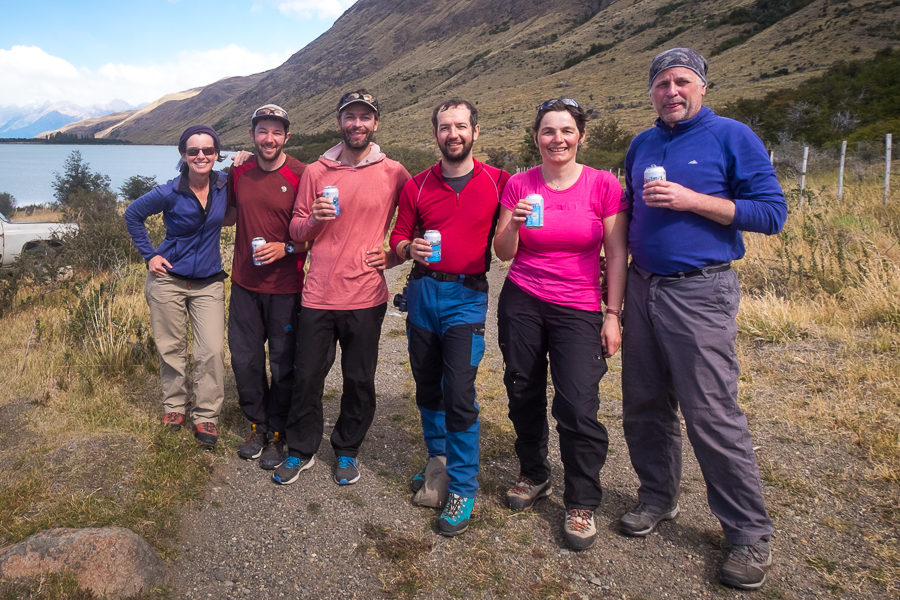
678 352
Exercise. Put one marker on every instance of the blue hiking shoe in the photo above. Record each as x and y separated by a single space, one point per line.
455 516
417 482
345 470
289 470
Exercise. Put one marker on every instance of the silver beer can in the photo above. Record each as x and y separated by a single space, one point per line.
254 244
654 173
536 218
433 237
331 192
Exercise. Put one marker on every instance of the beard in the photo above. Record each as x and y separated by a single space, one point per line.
363 143
264 153
458 157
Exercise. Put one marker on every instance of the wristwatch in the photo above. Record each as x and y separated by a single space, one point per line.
288 248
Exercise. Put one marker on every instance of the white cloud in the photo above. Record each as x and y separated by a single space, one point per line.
308 9
31 76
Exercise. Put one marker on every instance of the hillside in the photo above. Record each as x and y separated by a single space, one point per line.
509 55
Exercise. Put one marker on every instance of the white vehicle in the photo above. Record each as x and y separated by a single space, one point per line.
16 238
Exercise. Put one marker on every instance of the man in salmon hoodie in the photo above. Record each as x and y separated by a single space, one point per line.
345 295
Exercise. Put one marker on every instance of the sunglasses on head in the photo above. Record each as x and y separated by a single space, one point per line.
350 96
270 111
552 101
210 151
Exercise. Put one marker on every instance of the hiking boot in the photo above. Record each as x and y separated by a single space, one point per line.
346 471
273 453
289 470
253 445
579 529
526 492
745 566
173 420
643 518
417 482
206 433
456 514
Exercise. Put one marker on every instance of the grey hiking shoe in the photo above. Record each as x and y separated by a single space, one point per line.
273 454
643 518
289 470
745 566
579 529
345 471
526 492
253 445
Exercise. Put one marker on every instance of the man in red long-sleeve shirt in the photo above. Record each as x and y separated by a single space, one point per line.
447 301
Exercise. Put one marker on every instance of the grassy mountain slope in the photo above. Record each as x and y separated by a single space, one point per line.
509 55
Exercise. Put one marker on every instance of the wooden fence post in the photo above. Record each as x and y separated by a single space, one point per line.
841 170
803 173
887 168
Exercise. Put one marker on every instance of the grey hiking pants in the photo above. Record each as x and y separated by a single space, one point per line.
678 352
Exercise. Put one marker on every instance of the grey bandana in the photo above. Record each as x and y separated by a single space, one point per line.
678 57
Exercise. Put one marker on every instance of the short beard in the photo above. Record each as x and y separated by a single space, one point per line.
462 156
363 144
279 150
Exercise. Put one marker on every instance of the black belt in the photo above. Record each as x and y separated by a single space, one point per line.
419 271
696 272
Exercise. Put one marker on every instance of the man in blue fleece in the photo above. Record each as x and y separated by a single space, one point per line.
680 308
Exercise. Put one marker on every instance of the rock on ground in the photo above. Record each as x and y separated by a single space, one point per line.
112 561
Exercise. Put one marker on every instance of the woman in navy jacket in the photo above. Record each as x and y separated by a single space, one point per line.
185 282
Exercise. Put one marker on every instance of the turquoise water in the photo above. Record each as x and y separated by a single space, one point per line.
27 170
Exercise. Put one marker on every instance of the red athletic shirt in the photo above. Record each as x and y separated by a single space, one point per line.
466 220
265 203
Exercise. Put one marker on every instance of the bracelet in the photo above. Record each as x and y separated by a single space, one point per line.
406 251
613 311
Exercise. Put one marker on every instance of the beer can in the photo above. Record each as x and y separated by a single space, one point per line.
433 237
331 192
654 173
254 244
536 218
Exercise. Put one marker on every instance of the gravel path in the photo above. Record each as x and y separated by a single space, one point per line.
250 538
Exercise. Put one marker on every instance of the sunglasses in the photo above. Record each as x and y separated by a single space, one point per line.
552 101
353 96
270 111
210 151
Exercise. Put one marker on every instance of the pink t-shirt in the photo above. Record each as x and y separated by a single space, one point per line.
559 262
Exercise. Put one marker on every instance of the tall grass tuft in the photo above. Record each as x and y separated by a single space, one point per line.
108 327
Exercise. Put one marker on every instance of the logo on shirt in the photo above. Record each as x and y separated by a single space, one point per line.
693 162
284 188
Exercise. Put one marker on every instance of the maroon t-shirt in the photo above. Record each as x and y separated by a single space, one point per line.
265 203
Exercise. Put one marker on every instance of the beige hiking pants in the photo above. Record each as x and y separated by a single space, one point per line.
172 303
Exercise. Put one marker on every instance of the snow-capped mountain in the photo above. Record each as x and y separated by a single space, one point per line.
29 121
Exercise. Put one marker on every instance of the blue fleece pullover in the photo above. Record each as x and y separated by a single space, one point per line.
711 155
192 233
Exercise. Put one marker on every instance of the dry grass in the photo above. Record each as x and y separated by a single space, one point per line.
80 444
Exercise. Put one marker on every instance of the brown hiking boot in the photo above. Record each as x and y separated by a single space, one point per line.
526 492
206 433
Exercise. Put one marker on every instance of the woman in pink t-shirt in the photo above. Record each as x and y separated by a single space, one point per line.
551 307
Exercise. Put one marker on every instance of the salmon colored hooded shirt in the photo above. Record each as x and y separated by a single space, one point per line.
338 277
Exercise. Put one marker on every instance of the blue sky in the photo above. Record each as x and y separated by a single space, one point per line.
93 52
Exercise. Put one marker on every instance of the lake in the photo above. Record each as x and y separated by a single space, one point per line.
27 170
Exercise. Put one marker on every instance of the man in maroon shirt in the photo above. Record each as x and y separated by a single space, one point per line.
266 283
447 301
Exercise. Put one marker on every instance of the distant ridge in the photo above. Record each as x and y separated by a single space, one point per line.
508 55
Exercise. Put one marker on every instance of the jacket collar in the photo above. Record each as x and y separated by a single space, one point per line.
703 113
439 173
331 156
